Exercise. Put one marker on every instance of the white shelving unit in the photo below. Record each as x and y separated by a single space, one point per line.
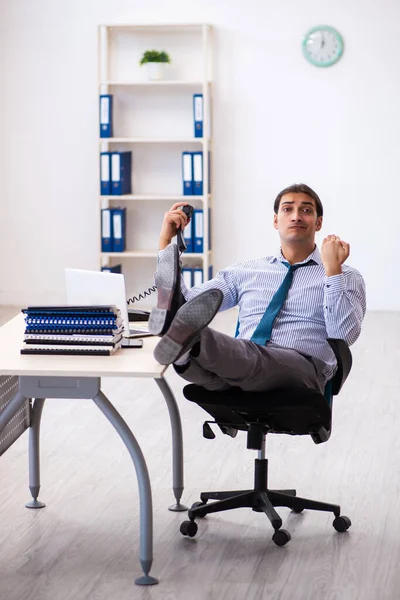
154 119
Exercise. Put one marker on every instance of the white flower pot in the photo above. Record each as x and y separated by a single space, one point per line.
156 70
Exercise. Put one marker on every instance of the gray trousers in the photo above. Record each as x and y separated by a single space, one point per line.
225 361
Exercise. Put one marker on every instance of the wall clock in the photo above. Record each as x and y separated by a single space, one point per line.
323 46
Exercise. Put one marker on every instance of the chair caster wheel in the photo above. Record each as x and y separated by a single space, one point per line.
281 537
188 528
298 509
197 505
341 524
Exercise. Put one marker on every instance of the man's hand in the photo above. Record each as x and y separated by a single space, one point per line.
173 220
334 252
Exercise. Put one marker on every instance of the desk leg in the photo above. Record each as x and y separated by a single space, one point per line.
34 456
146 511
177 444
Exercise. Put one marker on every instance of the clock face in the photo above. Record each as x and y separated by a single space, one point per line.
323 46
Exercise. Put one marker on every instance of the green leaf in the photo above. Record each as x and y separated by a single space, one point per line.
155 56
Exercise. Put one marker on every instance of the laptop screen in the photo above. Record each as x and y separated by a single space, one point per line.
97 287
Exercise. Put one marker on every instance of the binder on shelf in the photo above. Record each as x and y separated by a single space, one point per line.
197 173
198 115
187 173
209 228
187 277
121 173
106 230
106 120
118 227
198 230
197 276
105 173
210 272
188 236
113 269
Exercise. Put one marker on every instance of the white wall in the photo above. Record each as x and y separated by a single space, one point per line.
278 120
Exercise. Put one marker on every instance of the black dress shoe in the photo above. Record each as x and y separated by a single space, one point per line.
169 296
186 327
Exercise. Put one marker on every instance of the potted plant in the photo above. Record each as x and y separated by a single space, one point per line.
155 62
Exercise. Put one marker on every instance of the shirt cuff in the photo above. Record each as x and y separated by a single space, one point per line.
334 284
160 253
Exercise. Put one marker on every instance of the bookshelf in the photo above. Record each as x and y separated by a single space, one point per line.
154 120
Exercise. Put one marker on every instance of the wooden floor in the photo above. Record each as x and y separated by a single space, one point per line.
84 544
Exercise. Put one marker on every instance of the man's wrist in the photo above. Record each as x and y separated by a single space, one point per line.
163 243
332 270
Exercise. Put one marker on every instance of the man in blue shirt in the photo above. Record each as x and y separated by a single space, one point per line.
326 299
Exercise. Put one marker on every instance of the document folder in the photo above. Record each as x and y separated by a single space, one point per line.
198 232
106 230
106 123
118 225
198 115
121 173
187 277
198 173
197 277
187 173
105 174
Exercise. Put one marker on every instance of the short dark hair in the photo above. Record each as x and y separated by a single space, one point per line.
300 188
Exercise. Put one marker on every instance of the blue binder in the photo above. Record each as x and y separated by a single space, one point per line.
197 173
210 272
113 269
106 230
198 230
198 115
187 173
188 236
121 173
118 226
106 121
105 173
187 277
197 276
209 228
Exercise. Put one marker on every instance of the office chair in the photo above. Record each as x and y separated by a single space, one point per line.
290 410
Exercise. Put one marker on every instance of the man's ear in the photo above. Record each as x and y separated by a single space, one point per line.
319 224
275 221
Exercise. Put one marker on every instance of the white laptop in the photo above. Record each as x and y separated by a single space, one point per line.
98 287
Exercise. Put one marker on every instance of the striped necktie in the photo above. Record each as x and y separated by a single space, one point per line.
263 330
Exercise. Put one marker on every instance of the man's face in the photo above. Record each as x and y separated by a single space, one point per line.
297 219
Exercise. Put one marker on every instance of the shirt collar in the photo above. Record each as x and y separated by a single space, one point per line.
315 256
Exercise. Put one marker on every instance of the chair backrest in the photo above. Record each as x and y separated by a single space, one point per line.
344 363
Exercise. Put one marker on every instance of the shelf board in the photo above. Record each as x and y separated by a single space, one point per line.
151 140
147 254
163 83
157 25
151 197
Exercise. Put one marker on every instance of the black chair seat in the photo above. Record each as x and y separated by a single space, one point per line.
291 410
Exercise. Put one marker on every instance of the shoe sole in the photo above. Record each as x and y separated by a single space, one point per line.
184 331
166 279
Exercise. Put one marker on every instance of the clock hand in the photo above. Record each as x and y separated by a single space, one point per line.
322 41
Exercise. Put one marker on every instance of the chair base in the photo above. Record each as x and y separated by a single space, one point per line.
260 499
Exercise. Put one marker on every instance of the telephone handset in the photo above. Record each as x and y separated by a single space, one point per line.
188 210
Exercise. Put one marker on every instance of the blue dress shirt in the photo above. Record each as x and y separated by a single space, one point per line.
317 306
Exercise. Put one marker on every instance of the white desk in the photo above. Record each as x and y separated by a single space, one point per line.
43 377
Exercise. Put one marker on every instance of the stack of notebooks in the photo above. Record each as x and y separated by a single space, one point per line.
87 330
